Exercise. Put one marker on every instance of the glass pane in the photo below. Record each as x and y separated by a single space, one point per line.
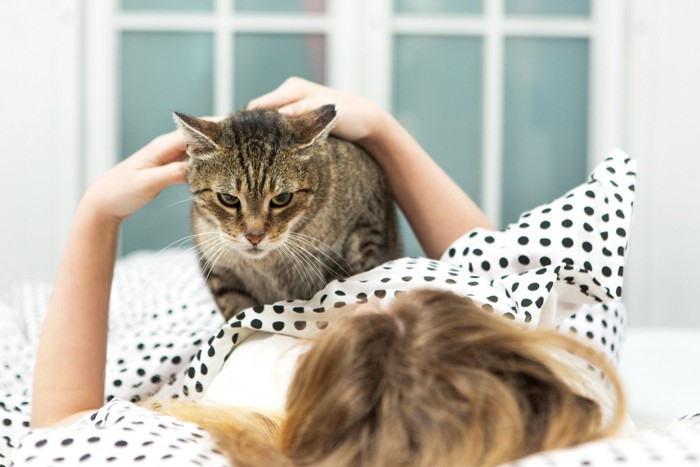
264 61
161 72
438 97
438 6
545 121
276 6
549 7
177 5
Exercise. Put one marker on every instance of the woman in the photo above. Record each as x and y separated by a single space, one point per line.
424 379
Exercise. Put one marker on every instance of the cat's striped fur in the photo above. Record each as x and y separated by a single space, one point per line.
280 208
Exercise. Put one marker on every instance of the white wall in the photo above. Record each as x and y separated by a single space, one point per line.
39 137
42 170
664 134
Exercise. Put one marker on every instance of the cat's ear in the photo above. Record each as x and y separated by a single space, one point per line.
313 127
200 135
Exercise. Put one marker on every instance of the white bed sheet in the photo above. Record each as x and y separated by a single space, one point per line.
660 368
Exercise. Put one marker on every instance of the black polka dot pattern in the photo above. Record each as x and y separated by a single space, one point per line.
155 331
581 238
560 265
510 273
121 434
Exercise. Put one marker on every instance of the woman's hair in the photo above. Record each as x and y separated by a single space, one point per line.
435 380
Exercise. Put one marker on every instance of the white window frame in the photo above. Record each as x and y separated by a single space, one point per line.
359 36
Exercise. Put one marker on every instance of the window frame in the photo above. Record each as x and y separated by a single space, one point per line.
359 53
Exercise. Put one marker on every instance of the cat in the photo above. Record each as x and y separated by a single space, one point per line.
280 208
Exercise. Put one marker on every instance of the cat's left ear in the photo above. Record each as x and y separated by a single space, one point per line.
200 135
313 127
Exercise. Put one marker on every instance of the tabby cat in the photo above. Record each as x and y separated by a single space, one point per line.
280 208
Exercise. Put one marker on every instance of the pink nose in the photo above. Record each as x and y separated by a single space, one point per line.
255 238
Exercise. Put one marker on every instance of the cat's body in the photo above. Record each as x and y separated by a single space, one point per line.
280 209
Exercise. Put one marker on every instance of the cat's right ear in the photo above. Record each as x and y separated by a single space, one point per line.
200 135
314 126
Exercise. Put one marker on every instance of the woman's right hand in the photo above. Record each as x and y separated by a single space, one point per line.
134 182
359 119
436 207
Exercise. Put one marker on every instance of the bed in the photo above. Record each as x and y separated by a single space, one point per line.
164 325
656 366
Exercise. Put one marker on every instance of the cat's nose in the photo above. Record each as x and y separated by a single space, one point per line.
255 237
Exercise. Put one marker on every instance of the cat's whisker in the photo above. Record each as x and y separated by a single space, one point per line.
219 253
305 239
183 252
210 250
313 262
211 253
320 260
202 245
284 262
206 255
283 251
222 252
308 266
177 202
176 258
178 253
186 238
309 259
297 265
195 246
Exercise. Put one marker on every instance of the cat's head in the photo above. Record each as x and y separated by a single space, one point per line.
254 175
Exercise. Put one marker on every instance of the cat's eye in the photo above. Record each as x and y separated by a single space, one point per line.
229 200
281 200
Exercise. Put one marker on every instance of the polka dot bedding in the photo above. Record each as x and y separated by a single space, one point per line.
560 266
121 433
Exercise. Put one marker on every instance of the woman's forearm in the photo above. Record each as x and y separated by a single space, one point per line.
438 210
70 363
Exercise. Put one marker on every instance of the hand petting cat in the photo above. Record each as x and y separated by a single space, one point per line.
358 117
437 209
137 180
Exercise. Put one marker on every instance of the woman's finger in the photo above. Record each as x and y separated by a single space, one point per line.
162 150
293 89
157 178
301 107
273 100
214 118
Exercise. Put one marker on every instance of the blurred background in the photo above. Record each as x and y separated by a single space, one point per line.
517 99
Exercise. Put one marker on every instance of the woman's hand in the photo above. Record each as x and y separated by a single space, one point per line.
135 181
436 207
358 119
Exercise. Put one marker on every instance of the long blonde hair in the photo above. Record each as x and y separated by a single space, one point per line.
433 381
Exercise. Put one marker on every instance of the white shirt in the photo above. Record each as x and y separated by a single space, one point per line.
258 373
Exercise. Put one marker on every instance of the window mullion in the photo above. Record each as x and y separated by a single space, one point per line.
343 46
224 100
377 46
492 192
102 84
607 75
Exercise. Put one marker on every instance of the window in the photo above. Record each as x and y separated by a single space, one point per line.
505 94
